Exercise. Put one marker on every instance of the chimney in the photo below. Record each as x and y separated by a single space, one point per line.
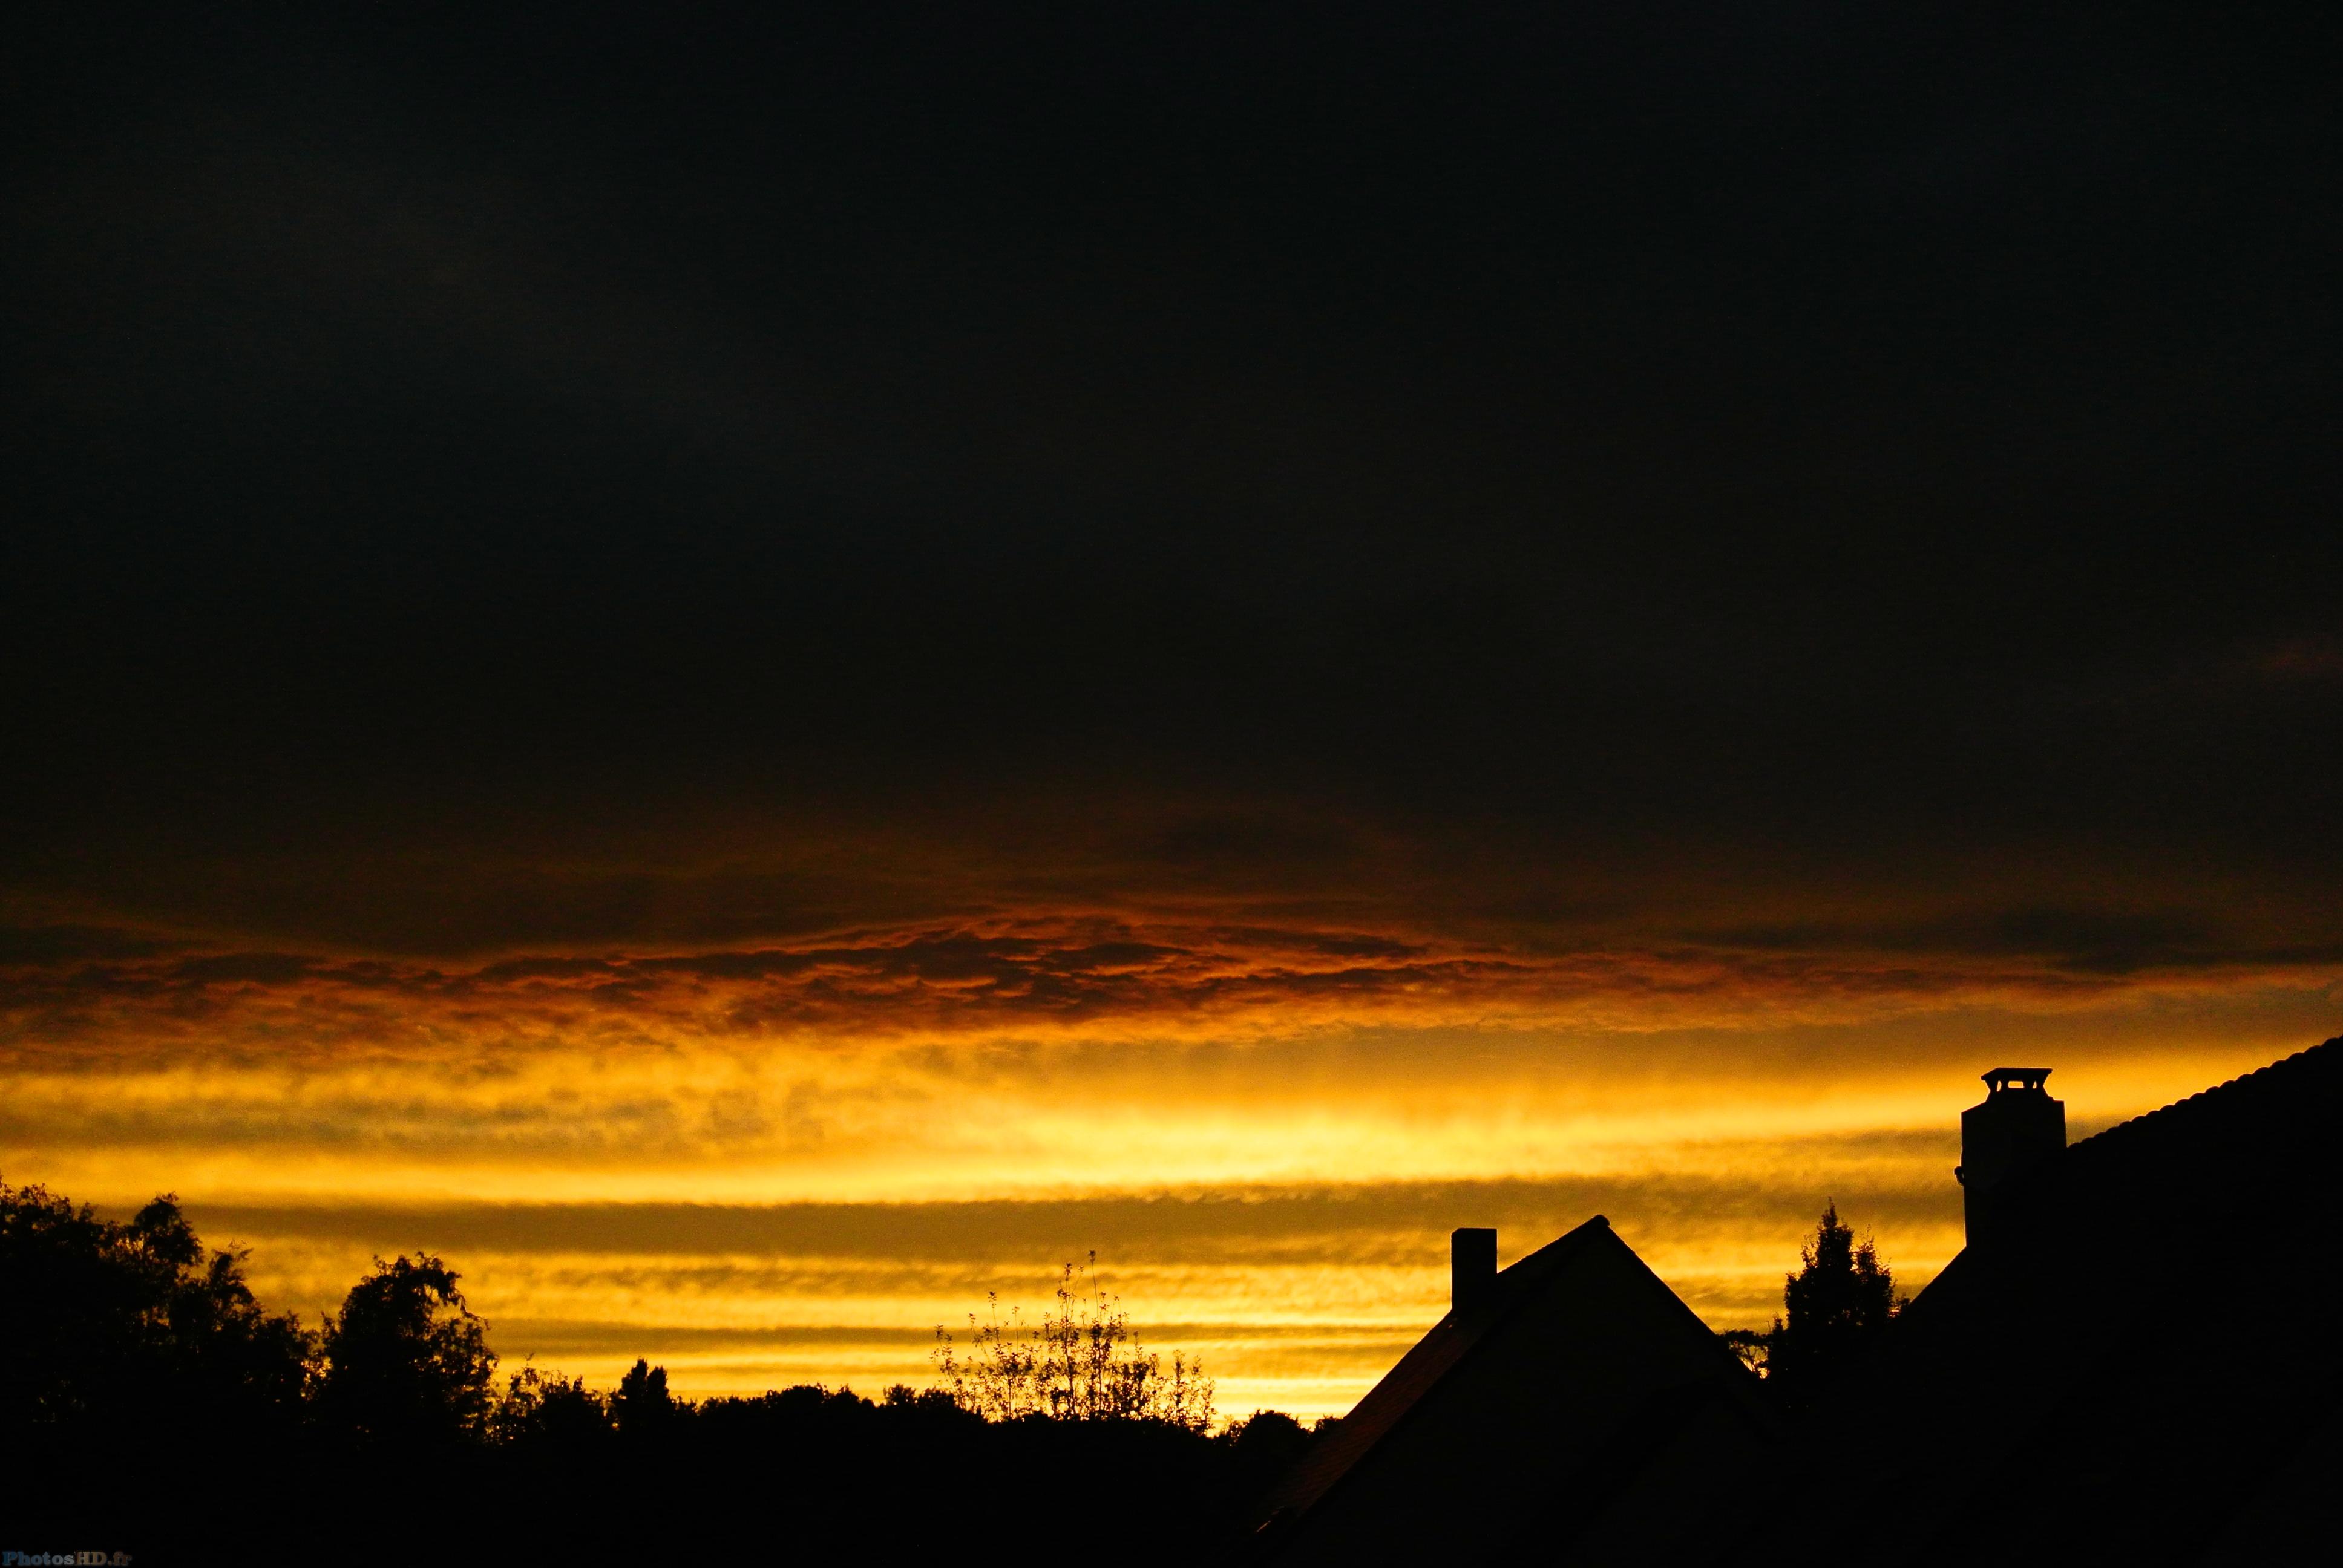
1473 1270
2018 1126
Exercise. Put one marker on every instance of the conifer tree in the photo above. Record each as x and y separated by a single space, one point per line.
1838 1302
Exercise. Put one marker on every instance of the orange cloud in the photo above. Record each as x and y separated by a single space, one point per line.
1087 976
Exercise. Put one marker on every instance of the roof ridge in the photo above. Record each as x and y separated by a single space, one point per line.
1535 1261
2284 1063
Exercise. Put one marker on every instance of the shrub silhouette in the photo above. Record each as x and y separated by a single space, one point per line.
1081 1362
545 1409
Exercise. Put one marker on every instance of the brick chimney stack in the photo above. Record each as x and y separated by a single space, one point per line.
2017 1126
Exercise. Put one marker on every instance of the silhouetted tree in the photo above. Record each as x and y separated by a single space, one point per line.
406 1360
903 1396
1750 1344
225 1352
116 1324
71 1313
641 1404
1262 1448
1835 1305
548 1409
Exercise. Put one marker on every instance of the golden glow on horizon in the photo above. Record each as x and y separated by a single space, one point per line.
1348 1096
774 1123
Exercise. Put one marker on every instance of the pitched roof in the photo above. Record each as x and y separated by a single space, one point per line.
2136 1350
1581 1383
1416 1374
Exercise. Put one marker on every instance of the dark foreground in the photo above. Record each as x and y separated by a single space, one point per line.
795 1476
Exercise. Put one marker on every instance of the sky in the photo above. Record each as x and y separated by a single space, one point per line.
759 671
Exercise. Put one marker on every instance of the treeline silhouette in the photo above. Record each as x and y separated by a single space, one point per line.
149 1404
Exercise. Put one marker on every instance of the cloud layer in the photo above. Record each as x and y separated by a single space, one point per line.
71 991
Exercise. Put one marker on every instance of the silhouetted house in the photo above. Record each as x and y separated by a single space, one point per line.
1569 1404
2133 1360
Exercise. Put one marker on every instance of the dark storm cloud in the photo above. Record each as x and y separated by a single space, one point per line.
1395 456
30 945
1067 978
2083 941
1043 973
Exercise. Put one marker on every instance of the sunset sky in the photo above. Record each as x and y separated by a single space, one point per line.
758 676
